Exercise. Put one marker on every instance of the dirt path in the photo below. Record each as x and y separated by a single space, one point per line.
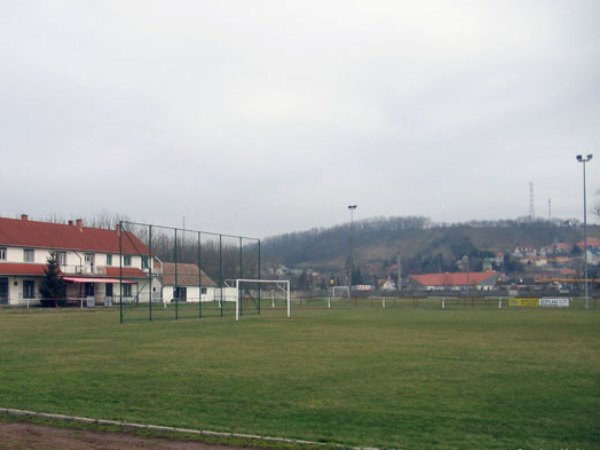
24 436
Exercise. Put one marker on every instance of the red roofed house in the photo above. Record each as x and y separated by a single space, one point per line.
456 281
88 260
591 242
593 250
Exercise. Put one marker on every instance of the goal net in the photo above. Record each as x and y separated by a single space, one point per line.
337 292
254 295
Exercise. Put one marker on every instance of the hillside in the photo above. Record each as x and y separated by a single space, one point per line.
377 242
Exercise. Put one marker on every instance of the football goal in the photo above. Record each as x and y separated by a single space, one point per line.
256 294
337 292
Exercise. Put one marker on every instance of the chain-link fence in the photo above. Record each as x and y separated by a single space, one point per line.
174 273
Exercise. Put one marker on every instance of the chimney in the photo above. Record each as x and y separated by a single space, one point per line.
118 229
24 217
70 222
79 223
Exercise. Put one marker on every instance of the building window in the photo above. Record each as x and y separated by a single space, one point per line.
127 260
28 255
109 260
127 291
61 258
28 289
144 262
2 253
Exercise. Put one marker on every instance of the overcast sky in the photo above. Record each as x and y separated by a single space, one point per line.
265 117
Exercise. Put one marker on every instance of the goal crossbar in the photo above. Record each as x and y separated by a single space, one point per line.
283 285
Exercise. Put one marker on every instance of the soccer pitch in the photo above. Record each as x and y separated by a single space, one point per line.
358 377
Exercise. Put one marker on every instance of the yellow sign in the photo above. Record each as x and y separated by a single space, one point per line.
524 302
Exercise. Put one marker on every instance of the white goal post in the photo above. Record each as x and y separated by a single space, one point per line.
283 285
345 289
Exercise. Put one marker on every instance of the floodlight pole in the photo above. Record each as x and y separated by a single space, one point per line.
120 271
351 262
582 159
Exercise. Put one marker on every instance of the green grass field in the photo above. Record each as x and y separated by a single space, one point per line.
359 377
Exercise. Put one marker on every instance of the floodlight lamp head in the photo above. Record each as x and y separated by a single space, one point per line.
352 206
579 158
589 156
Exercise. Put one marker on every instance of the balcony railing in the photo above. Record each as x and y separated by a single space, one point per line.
98 270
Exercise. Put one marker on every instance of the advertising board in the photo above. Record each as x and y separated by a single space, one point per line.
554 302
524 302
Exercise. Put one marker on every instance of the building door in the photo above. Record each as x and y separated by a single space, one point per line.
181 294
109 290
3 291
90 259
89 289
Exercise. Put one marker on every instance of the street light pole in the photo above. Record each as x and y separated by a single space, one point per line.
351 262
585 159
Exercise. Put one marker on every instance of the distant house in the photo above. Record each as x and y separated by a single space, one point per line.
88 259
456 281
387 284
566 272
561 260
593 250
591 242
537 261
187 283
560 248
522 251
593 255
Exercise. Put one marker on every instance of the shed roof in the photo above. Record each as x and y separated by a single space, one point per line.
187 275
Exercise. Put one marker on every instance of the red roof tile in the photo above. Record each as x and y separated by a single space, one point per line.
187 275
28 233
569 272
453 279
591 242
36 270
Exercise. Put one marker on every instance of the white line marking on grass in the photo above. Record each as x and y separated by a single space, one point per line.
19 412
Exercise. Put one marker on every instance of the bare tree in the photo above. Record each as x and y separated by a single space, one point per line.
596 205
102 219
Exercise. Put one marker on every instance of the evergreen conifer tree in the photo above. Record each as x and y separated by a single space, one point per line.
52 287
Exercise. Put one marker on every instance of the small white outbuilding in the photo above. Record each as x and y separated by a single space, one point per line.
186 282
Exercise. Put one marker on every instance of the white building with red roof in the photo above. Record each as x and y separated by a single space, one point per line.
187 283
457 281
96 263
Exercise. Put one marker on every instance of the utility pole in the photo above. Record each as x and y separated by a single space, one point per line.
399 286
468 244
351 208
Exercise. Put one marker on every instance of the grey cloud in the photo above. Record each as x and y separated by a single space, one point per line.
260 118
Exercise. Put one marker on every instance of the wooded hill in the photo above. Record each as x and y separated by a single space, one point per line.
422 245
